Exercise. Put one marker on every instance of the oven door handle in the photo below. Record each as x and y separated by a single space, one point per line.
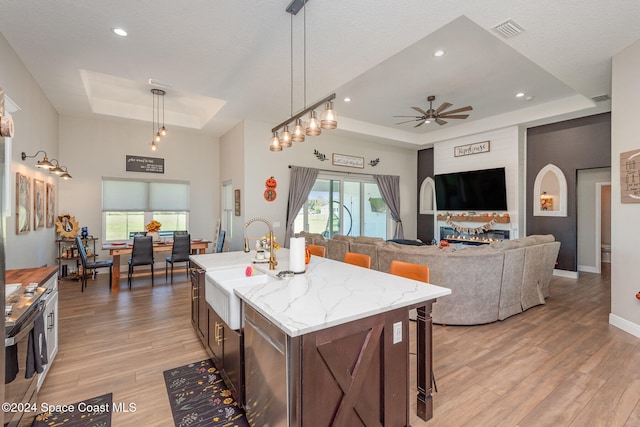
27 327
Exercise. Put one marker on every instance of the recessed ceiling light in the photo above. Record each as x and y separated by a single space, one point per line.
120 32
438 52
529 98
519 94
347 99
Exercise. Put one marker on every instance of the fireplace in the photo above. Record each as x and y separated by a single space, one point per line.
453 236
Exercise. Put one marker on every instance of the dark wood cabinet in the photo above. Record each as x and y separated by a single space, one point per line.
224 345
198 303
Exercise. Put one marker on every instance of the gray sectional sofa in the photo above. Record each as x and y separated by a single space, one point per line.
488 283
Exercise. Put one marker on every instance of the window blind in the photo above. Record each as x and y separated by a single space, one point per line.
130 195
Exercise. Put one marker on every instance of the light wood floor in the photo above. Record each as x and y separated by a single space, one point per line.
560 364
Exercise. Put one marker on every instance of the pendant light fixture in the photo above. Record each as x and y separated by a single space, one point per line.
328 119
158 132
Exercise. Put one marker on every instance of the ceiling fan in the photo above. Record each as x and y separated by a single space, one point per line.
438 115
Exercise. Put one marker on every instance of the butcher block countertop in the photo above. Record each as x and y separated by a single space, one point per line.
25 276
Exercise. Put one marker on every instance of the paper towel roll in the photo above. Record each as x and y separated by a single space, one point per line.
296 254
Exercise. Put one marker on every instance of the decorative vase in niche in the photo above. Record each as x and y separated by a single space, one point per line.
155 236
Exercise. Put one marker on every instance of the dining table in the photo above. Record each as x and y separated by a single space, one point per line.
117 249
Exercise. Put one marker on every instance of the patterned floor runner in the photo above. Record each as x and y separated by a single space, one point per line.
95 412
199 397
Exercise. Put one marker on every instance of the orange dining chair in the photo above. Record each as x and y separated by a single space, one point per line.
317 250
410 270
357 259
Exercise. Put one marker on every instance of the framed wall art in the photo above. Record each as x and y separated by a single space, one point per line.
38 204
51 205
23 207
237 201
349 161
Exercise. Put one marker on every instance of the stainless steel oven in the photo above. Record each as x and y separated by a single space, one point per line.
20 392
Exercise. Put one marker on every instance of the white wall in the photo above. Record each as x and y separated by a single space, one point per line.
96 148
625 233
232 166
505 152
586 206
36 128
260 164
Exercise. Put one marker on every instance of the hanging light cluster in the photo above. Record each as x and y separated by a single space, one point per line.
313 126
158 132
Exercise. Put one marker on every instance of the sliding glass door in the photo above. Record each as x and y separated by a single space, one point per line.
344 205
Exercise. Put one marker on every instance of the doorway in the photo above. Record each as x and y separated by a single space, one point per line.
593 216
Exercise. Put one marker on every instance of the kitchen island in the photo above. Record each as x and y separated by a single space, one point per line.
331 346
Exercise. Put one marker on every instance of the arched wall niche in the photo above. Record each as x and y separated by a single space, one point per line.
550 192
427 196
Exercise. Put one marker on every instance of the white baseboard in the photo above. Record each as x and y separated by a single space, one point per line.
565 273
624 324
588 268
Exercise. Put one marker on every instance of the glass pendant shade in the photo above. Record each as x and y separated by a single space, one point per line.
163 131
157 137
274 144
298 132
313 125
329 117
285 139
154 146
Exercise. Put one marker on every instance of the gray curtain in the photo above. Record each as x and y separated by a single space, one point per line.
389 186
301 183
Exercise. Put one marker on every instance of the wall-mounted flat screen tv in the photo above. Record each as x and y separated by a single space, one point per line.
480 190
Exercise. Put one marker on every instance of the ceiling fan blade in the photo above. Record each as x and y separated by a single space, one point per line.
443 107
459 110
420 110
407 121
455 116
420 124
441 122
416 117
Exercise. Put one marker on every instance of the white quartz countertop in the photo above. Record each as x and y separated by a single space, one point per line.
329 293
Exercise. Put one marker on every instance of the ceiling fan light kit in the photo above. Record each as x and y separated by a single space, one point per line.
438 115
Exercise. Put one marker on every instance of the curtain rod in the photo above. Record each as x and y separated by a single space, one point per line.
337 171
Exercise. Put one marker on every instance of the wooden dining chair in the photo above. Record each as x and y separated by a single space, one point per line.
317 250
410 270
179 253
141 254
357 259
91 265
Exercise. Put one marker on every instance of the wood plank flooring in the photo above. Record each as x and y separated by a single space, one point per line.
560 364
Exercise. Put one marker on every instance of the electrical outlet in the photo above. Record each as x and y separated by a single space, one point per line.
397 332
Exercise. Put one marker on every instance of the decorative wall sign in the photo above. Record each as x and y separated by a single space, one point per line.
51 205
469 149
38 204
67 225
349 161
236 202
23 207
144 164
374 162
630 176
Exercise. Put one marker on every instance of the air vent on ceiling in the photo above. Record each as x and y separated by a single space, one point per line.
601 98
508 29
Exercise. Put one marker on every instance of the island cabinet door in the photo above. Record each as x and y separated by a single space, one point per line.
354 374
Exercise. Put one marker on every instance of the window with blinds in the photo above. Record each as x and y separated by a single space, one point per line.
128 205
